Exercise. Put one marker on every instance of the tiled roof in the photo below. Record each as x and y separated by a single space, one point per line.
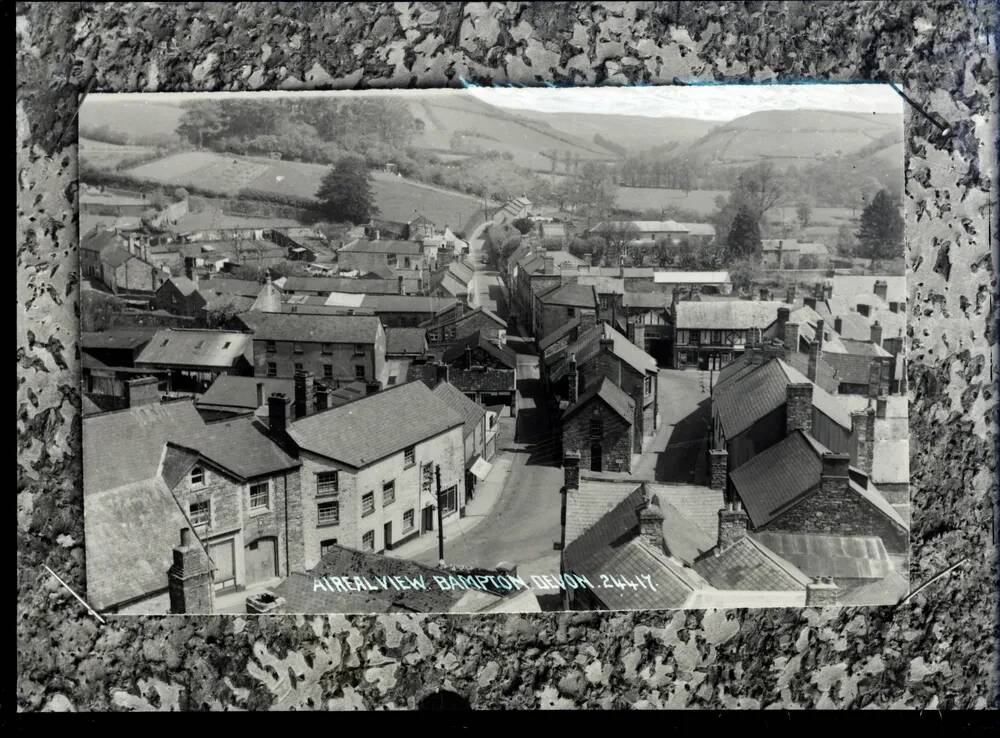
489 380
194 347
116 338
826 375
405 341
240 393
748 565
840 557
777 476
849 368
383 246
375 426
574 295
587 345
472 413
353 285
850 285
684 540
595 498
312 328
130 531
217 301
226 286
504 354
697 504
613 397
727 315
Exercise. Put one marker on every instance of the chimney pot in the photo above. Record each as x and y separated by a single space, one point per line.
733 524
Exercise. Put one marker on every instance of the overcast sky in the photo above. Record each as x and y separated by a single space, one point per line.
707 102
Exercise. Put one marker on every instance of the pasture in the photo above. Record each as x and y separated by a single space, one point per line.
107 155
654 198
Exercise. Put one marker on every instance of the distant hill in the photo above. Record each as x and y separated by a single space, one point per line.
795 136
633 132
135 118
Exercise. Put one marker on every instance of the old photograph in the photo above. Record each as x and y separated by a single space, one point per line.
494 349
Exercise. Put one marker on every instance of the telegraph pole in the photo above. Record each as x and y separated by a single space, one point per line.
437 477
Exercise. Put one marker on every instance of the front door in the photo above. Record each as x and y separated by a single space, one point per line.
427 519
223 554
261 559
387 534
595 457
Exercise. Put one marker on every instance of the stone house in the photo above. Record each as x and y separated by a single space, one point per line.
122 271
365 255
598 426
561 304
444 330
180 296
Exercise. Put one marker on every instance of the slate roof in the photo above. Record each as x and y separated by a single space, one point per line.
851 285
504 354
240 393
461 271
184 285
116 256
863 348
888 591
611 395
778 476
116 338
826 375
241 446
595 498
572 295
647 300
405 341
849 368
561 331
194 347
353 285
489 380
226 286
726 315
472 413
464 316
453 286
748 565
840 557
100 240
698 505
375 426
130 532
587 345
312 328
408 303
383 246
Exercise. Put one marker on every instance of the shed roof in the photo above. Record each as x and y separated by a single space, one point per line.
840 557
194 347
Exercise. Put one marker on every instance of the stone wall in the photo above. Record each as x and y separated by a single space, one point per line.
616 441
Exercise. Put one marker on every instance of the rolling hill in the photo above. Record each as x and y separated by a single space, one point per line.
138 118
795 136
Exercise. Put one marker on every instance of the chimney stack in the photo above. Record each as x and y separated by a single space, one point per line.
277 413
402 291
572 381
571 470
637 332
189 579
189 267
863 438
765 294
815 353
651 524
835 477
875 368
820 330
783 315
818 290
876 333
790 295
809 301
549 265
718 463
798 407
304 394
882 288
881 403
442 372
791 340
822 592
468 356
142 391
733 524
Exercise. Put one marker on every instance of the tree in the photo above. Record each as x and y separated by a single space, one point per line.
743 241
346 192
617 235
221 316
759 189
98 309
524 225
880 235
804 212
180 194
744 275
845 240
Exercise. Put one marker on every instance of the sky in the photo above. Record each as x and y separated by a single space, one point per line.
705 102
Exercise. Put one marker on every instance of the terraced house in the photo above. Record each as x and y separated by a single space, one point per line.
368 469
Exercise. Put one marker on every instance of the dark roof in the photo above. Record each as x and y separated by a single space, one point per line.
241 446
849 368
504 354
464 316
116 256
408 303
840 557
729 314
608 392
748 565
339 561
778 476
572 295
194 347
588 345
240 393
405 341
646 300
184 285
312 328
485 380
560 332
826 375
384 246
375 426
225 286
352 285
100 240
472 413
346 393
117 338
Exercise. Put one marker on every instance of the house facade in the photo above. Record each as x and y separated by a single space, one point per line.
365 255
713 333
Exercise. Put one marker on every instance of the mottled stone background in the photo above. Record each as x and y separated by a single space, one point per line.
938 649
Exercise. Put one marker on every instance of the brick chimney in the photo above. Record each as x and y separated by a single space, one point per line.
399 287
442 372
790 337
189 579
815 354
651 523
876 333
893 344
798 407
142 391
838 325
607 345
822 592
835 477
549 265
189 267
733 523
764 294
718 465
304 394
818 290
277 413
572 381
783 315
820 329
863 438
468 357
881 404
571 470
875 378
809 301
790 295
882 288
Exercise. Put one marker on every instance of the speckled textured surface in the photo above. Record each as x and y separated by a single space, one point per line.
937 649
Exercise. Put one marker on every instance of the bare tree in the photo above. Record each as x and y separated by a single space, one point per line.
760 189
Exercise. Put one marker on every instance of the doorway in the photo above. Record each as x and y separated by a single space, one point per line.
261 559
595 457
387 536
427 519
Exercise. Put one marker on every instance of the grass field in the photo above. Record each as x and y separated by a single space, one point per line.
106 155
397 199
130 117
653 198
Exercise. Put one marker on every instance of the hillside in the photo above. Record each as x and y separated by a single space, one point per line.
634 132
795 136
134 118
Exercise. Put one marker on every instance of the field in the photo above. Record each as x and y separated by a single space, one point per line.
130 117
653 198
823 223
397 198
108 156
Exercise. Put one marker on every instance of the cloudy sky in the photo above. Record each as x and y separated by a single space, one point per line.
706 102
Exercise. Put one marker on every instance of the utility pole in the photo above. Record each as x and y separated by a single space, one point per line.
437 477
